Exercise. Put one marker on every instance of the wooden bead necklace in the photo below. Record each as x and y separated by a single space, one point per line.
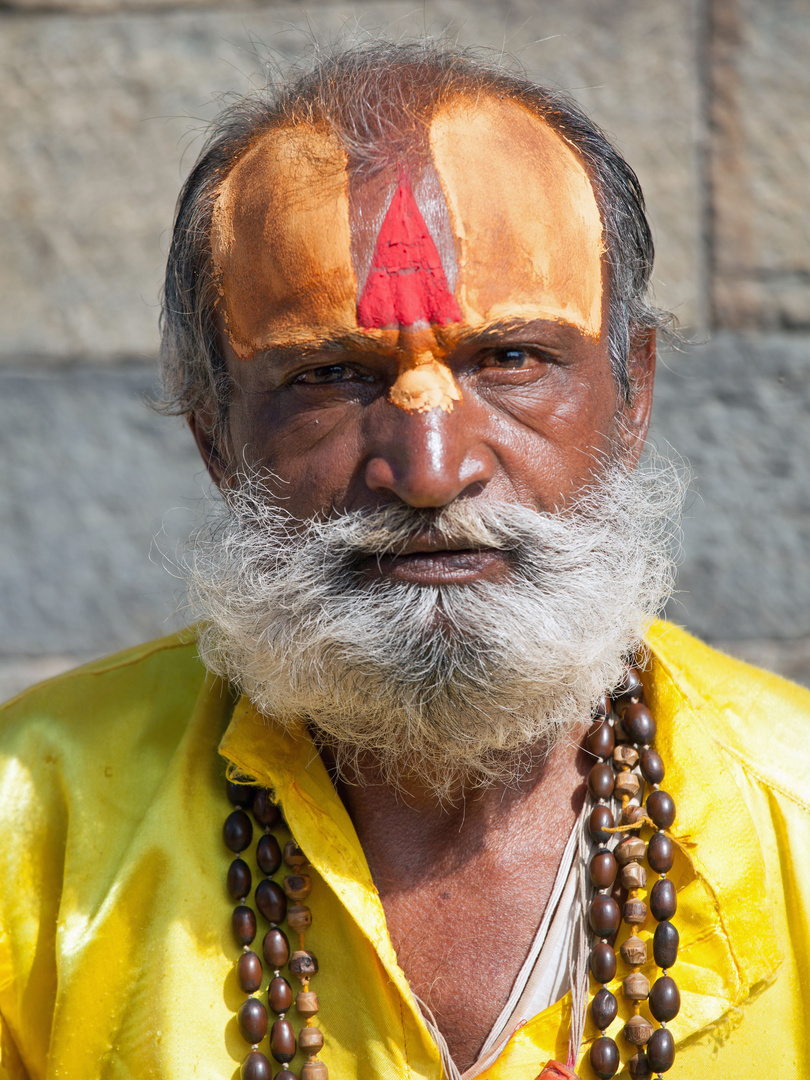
273 901
621 736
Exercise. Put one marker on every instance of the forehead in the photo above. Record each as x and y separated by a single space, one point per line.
519 234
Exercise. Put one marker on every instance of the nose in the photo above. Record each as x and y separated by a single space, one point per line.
428 459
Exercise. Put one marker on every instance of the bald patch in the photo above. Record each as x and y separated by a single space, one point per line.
524 213
281 241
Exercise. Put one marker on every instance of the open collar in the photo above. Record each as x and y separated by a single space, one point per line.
728 945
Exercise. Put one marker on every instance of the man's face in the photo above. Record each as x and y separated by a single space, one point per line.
428 331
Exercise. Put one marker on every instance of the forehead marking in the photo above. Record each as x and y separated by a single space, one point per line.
406 284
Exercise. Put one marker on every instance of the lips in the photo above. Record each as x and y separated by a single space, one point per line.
423 564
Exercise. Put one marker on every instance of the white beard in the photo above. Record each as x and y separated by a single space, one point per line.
460 684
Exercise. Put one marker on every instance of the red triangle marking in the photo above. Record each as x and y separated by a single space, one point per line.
406 283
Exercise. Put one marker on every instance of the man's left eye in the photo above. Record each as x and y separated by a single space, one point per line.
511 358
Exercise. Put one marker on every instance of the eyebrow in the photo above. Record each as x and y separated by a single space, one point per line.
448 336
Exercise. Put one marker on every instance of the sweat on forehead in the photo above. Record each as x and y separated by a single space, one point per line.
495 218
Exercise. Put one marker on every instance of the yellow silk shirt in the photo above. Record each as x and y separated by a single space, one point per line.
116 954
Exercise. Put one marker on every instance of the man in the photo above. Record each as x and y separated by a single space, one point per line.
405 315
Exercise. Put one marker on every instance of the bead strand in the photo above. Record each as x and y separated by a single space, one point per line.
303 963
604 911
252 1015
656 1046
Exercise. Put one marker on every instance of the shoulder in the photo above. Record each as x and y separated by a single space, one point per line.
130 705
754 716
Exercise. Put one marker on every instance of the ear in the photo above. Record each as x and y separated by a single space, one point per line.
201 423
635 414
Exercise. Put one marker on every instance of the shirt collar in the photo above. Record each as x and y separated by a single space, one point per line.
728 945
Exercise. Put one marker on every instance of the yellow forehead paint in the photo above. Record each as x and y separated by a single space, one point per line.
521 209
281 241
524 213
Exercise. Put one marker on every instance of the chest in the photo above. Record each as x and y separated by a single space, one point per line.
462 938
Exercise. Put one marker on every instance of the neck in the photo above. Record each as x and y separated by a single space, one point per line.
464 885
409 831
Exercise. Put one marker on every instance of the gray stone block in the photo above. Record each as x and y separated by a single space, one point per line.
89 477
95 126
737 408
759 165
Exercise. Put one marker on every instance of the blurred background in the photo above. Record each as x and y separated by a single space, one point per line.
103 103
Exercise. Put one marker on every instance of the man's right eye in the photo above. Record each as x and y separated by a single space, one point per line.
330 373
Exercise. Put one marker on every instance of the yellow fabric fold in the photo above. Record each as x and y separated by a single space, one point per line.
116 954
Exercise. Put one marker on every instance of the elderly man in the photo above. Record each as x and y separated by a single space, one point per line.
483 815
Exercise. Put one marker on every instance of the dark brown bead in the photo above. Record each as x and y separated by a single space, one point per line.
603 962
256 1067
264 809
663 901
639 724
631 849
271 901
249 972
280 994
252 1018
620 734
282 1041
652 766
601 818
660 853
661 1050
605 1057
665 999
661 808
604 916
243 922
285 1074
240 794
299 918
276 948
303 964
630 690
240 879
604 1008
268 854
637 1030
635 912
601 780
639 1066
294 856
599 740
665 944
603 869
600 709
237 832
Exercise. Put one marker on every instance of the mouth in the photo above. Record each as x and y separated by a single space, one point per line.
432 564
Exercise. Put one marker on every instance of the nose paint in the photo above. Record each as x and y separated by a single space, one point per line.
407 287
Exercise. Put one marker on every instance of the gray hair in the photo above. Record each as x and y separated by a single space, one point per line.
373 96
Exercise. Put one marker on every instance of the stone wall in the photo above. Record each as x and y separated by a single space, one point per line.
104 101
